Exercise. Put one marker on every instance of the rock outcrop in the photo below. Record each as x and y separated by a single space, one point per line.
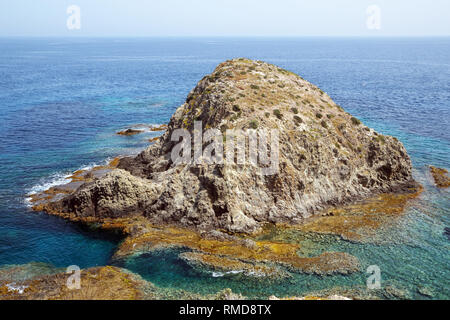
98 283
116 194
129 132
326 158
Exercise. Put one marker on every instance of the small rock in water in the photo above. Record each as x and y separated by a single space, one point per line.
425 291
129 132
395 292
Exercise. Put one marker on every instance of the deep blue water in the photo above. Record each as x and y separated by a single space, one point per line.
61 102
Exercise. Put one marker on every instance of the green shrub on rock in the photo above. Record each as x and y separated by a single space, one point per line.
277 114
356 121
254 124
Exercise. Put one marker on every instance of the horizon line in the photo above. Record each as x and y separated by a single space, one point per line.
224 36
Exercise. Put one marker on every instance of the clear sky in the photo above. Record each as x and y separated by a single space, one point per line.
226 18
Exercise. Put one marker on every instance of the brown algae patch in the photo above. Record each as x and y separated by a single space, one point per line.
152 140
233 253
129 132
440 177
99 283
103 283
361 220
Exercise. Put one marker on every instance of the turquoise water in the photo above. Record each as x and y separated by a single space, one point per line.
61 102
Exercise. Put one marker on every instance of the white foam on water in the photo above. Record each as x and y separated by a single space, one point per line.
16 288
146 128
56 179
217 274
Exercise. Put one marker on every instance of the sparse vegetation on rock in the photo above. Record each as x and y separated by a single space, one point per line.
355 121
215 209
206 195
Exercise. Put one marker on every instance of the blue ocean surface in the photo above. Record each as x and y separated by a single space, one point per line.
63 100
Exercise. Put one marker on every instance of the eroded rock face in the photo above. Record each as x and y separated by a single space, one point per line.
115 195
326 157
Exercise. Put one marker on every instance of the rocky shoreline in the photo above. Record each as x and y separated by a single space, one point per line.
39 281
335 176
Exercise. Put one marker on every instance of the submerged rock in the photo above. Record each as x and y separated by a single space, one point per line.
229 254
425 291
220 266
129 132
440 177
19 273
326 157
361 221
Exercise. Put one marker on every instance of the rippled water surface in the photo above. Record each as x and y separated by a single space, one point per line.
61 102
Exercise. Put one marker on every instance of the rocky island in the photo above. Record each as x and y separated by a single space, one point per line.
334 175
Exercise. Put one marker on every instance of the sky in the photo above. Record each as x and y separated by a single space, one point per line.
145 18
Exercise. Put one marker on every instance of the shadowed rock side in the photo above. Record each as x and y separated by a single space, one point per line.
326 157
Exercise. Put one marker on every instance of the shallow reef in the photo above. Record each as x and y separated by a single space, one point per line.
440 176
361 220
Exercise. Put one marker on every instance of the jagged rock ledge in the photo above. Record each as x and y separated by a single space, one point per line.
98 283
